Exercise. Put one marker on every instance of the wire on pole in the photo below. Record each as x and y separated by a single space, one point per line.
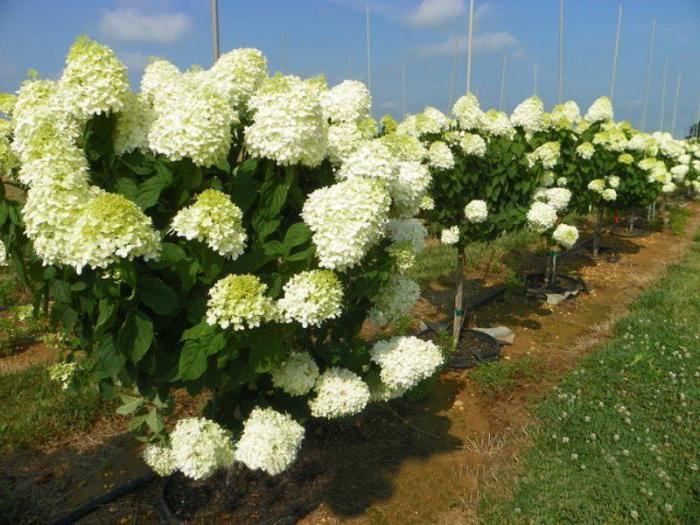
215 29
403 90
675 105
662 118
369 54
502 101
613 76
647 83
470 33
561 52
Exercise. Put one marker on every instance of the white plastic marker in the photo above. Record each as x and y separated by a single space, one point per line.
470 33
675 105
613 75
561 51
663 96
215 29
647 83
502 102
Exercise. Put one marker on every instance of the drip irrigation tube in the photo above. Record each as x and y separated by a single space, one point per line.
110 496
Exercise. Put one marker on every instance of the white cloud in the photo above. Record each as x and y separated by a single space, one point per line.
135 61
433 13
483 43
131 26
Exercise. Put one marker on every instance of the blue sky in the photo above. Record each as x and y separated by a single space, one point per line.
328 36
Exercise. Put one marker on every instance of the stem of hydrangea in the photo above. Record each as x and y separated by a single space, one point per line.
598 228
459 296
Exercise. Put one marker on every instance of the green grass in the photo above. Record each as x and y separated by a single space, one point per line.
35 410
434 263
677 220
503 377
617 442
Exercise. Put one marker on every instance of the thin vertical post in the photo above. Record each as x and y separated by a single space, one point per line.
675 105
561 51
534 81
215 29
369 54
697 120
453 76
284 52
502 102
403 90
613 75
647 82
663 96
349 65
470 33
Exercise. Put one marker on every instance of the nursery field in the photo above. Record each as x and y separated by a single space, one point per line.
480 444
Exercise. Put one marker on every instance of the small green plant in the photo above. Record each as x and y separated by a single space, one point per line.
433 263
403 326
502 377
677 220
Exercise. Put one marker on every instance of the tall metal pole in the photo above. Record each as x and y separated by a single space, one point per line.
647 82
663 96
534 74
215 29
561 51
403 90
613 76
453 76
369 54
675 105
284 52
349 66
470 33
502 102
697 120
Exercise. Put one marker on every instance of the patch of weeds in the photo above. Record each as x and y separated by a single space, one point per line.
18 329
696 237
503 377
677 220
10 289
433 263
403 326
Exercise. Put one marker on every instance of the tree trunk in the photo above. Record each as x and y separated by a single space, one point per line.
598 229
459 297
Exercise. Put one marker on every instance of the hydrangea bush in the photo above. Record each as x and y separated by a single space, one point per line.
226 231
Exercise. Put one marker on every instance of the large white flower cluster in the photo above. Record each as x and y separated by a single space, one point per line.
440 156
585 150
297 375
343 139
63 372
408 230
160 459
450 236
568 112
339 392
200 447
565 235
133 124
311 297
558 198
408 188
679 171
541 216
270 441
605 188
394 300
238 74
404 362
529 115
288 125
497 124
346 219
476 211
468 113
349 101
600 110
612 139
405 148
214 220
667 145
239 301
473 144
431 121
547 155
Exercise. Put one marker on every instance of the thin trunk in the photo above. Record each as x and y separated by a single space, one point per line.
596 235
459 298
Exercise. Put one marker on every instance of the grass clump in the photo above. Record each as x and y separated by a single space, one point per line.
678 219
503 377
618 440
433 263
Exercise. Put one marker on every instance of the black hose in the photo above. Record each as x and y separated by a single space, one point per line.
92 505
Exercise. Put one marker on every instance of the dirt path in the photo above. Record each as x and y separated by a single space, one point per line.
419 462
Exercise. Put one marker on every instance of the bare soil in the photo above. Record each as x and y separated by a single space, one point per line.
414 461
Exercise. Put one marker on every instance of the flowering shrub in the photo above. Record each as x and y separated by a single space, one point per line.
226 231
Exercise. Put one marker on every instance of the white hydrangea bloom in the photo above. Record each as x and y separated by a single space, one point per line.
431 122
133 124
585 150
684 159
541 216
497 124
597 185
547 154
609 194
558 198
160 459
669 187
476 211
270 441
601 109
625 158
63 373
311 297
562 181
410 230
160 82
94 80
405 361
569 111
346 219
372 159
473 144
343 139
405 148
408 126
647 163
239 301
612 139
238 74
214 220
394 300
440 156
3 254
288 125
110 228
340 392
428 203
613 181
297 375
679 172
409 187
349 101
565 235
450 235
468 113
529 115
200 447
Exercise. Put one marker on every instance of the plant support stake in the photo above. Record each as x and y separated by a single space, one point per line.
647 83
215 29
561 51
613 75
470 31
